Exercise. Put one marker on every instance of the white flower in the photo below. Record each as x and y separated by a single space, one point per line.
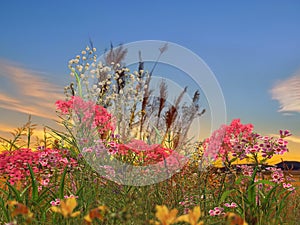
94 49
87 48
80 68
83 52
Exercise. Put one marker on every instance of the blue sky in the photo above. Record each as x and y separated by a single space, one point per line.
253 48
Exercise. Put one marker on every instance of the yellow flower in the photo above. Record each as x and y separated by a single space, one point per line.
165 216
192 217
233 219
96 213
19 209
66 208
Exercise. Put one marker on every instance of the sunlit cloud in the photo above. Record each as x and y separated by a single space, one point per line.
287 93
31 93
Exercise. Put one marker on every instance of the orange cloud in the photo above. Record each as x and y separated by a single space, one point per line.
30 92
287 93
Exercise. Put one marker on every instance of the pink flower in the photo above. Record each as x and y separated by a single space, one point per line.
288 186
217 211
56 202
45 182
70 196
231 205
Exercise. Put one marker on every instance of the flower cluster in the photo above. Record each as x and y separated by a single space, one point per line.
145 154
187 203
14 164
87 113
217 211
230 205
238 141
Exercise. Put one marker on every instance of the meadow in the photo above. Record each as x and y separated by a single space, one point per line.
108 164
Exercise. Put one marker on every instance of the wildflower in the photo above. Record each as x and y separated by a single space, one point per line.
217 211
233 219
56 202
45 182
66 208
19 209
71 196
165 216
288 186
192 217
98 213
231 205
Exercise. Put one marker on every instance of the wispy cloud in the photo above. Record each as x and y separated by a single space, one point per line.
30 92
287 93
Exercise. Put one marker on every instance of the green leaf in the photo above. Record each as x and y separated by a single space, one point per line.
62 183
15 191
34 185
4 209
226 194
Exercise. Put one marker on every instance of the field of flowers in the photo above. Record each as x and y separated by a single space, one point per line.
110 165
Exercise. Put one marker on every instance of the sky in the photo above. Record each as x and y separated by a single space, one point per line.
253 48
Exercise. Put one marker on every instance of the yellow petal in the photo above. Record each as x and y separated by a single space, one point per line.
55 209
192 217
165 216
154 222
161 212
75 214
87 218
103 208
195 215
71 204
12 203
64 209
234 219
183 218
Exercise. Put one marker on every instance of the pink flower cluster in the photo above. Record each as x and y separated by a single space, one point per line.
220 143
217 211
149 154
14 164
87 113
187 203
238 140
230 205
